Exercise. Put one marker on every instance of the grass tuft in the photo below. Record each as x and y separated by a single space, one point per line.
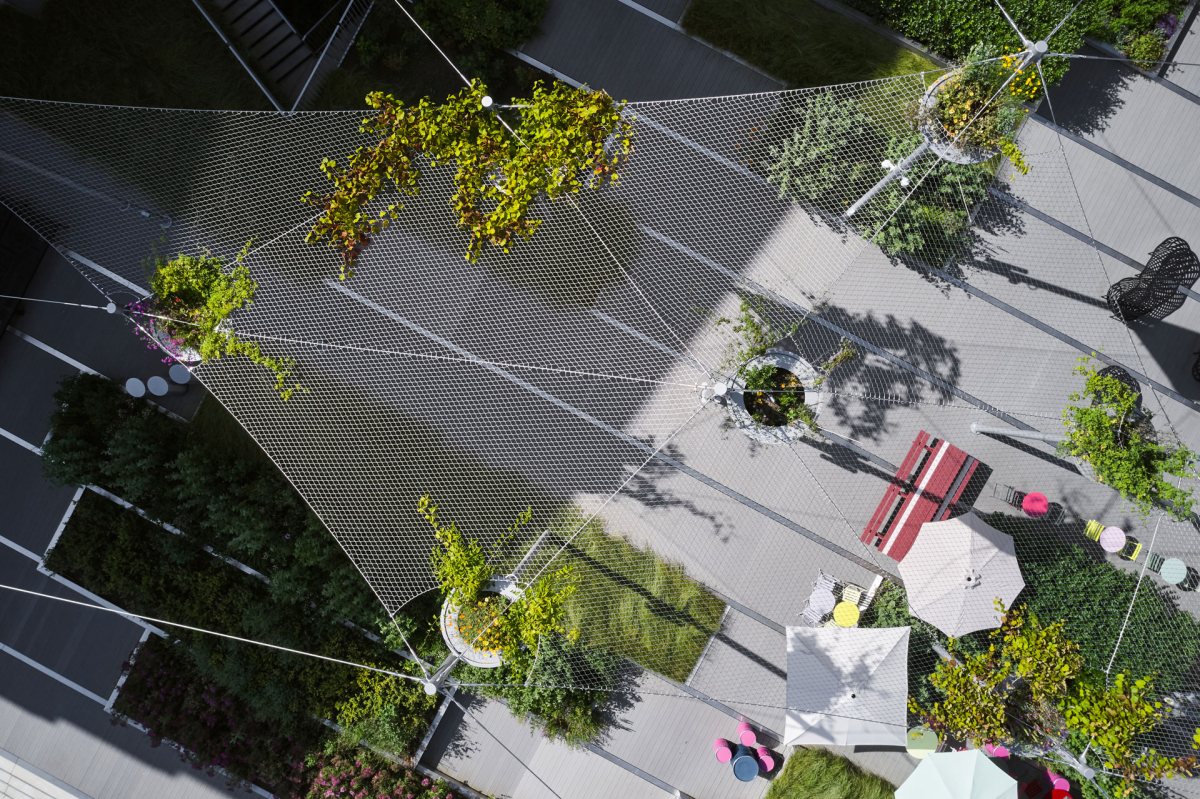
799 42
631 602
820 774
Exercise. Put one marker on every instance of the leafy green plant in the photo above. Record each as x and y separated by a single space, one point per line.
546 686
492 24
1115 437
193 298
460 565
1111 717
386 711
558 149
819 162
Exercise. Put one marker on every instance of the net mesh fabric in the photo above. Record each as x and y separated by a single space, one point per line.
573 375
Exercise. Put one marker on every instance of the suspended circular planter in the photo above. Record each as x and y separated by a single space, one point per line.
157 332
466 629
938 135
772 415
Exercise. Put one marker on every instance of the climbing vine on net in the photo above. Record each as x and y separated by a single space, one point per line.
558 148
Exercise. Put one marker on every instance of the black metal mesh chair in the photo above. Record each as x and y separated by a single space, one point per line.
1154 292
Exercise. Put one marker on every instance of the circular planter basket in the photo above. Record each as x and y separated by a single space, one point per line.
783 434
462 647
184 354
935 133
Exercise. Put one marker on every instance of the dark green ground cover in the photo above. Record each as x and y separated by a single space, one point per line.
799 42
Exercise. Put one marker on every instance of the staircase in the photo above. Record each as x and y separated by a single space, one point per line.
294 65
263 32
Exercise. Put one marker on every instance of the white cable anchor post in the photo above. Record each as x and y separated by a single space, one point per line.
893 171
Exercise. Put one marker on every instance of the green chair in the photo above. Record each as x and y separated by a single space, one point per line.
1154 562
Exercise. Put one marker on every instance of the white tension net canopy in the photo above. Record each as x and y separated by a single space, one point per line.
575 374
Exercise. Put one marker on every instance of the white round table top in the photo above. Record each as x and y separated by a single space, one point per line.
157 386
180 374
1112 539
822 601
135 387
1173 571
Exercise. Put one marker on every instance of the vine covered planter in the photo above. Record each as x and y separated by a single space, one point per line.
156 335
935 133
743 414
497 594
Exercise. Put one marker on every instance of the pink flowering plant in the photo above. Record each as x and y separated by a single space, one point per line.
356 774
164 694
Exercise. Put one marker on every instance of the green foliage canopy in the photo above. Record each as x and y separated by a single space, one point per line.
558 149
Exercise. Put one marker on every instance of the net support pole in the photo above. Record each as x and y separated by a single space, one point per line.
1049 438
894 172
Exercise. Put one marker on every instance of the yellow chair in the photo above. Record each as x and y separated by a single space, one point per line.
1094 528
853 594
1132 549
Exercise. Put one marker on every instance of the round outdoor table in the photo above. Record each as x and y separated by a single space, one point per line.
845 614
1035 504
745 764
180 374
1174 571
1112 539
822 601
922 741
135 387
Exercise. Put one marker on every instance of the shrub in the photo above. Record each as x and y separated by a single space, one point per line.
362 774
820 774
488 24
926 220
1147 48
163 693
387 712
208 479
144 569
566 692
1065 582
952 27
1116 438
819 161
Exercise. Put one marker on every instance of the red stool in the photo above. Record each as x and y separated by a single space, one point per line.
765 761
723 750
1035 505
746 734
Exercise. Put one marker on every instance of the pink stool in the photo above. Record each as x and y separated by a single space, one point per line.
1035 504
1061 784
765 761
746 734
723 749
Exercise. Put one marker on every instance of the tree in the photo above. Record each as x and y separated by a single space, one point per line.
1114 436
1031 685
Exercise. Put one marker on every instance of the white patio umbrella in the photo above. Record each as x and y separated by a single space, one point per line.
846 686
956 570
958 775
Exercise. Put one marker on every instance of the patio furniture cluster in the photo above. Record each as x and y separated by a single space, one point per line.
1033 504
1114 540
834 603
746 758
934 477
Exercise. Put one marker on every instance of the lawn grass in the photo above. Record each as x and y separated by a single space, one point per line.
820 774
159 53
799 42
632 602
